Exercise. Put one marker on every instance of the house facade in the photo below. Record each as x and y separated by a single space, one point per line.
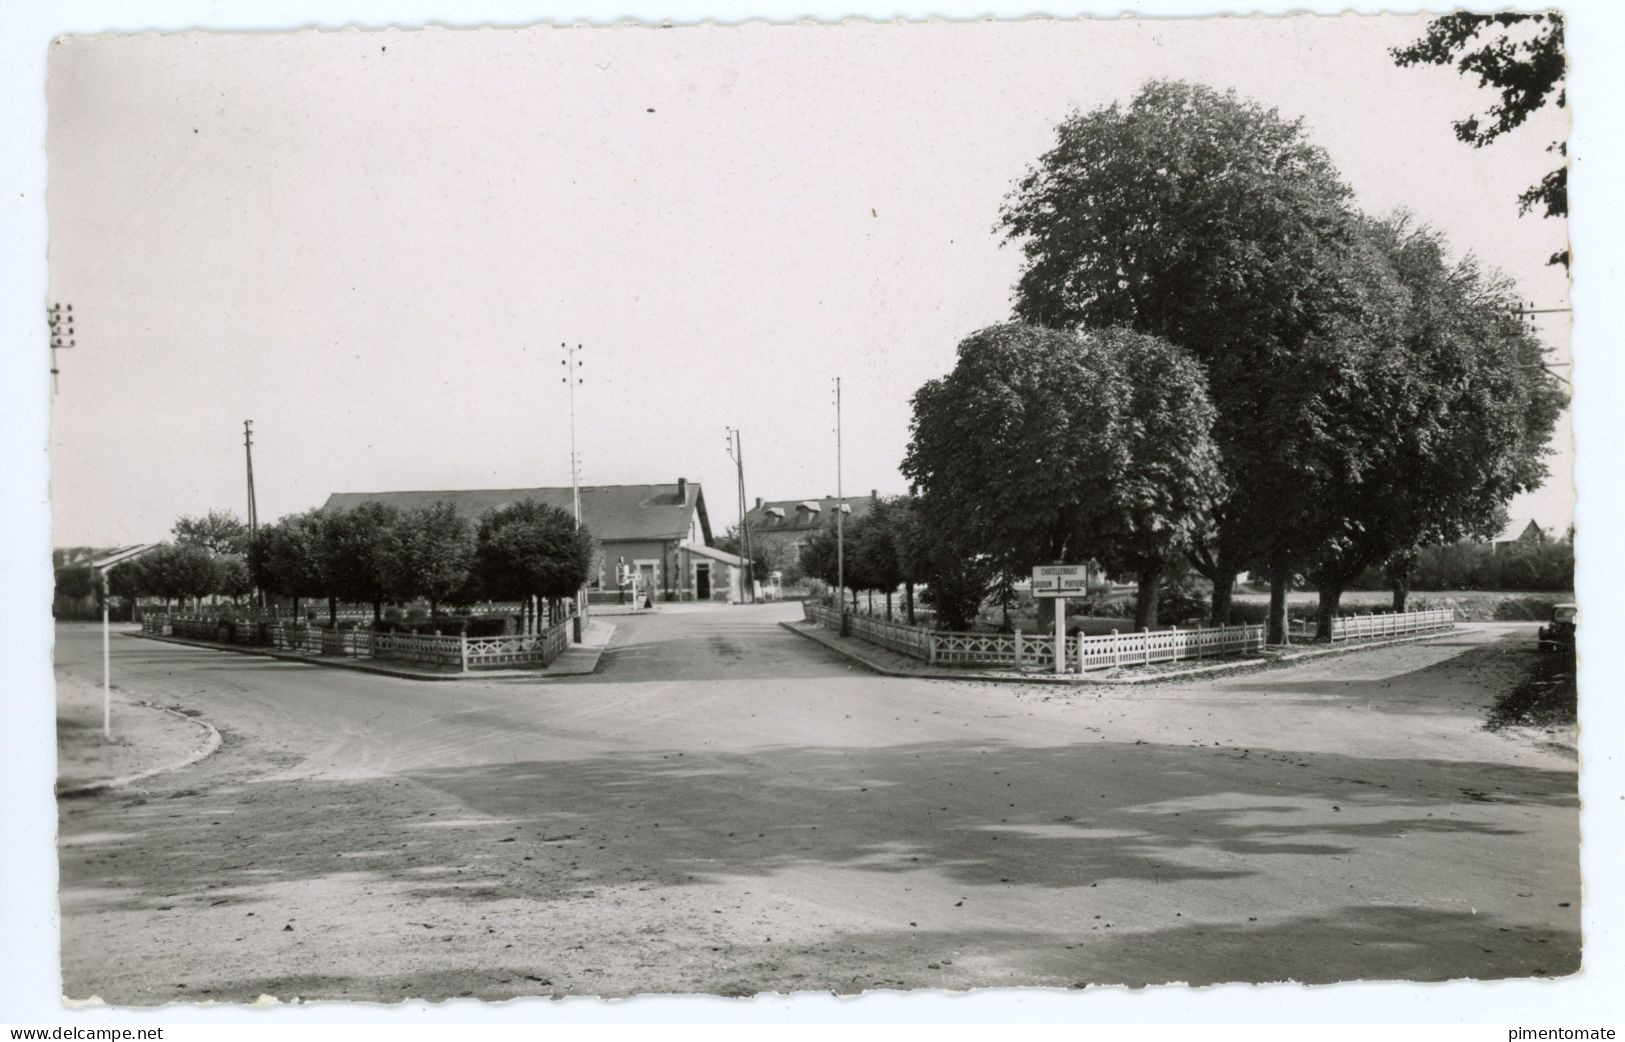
661 531
779 528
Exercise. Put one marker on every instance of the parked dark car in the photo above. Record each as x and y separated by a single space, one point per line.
1558 635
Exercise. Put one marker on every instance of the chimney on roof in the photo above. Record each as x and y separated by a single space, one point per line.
874 493
682 491
758 502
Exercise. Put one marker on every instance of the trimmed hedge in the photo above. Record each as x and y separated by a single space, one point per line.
452 625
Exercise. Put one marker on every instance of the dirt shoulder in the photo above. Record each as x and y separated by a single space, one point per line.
145 737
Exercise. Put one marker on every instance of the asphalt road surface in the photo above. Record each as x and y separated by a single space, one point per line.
725 807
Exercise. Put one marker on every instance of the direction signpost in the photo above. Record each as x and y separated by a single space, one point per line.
1057 582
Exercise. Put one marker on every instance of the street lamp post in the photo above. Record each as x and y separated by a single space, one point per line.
840 520
105 568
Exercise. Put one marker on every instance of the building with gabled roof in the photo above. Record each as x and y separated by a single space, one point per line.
780 527
1519 530
661 531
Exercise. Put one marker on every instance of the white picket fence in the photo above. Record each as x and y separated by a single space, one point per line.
458 652
1021 651
1385 624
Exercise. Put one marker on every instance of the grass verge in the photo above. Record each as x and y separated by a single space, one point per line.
1548 696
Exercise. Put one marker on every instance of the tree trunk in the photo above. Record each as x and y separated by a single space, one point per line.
1276 633
432 608
888 605
1224 588
1145 597
332 611
1401 585
377 613
908 601
1330 595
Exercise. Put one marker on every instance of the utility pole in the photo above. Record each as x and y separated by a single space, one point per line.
253 507
1525 318
60 318
572 378
736 452
840 519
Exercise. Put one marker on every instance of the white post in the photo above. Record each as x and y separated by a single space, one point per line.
1018 649
107 668
1060 635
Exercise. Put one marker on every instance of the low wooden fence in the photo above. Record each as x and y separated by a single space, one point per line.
1020 651
1385 624
457 652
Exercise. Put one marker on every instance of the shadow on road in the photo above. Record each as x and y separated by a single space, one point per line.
1055 817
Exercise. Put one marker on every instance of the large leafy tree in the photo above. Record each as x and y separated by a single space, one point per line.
1521 58
1214 223
286 560
432 553
1459 412
831 556
232 577
530 549
184 570
75 582
878 552
1162 502
356 553
1044 446
219 532
906 538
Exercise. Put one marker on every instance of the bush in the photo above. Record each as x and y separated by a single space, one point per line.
1250 613
1178 606
451 625
1535 567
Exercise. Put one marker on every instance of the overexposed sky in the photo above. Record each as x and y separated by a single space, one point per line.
372 244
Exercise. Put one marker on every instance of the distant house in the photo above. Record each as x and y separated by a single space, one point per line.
1518 530
779 528
661 531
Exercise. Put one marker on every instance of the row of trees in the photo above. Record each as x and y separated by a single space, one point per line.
1217 357
1545 566
371 554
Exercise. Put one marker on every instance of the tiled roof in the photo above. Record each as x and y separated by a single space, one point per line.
785 515
712 552
610 512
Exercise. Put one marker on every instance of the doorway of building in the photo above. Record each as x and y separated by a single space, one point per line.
702 581
646 580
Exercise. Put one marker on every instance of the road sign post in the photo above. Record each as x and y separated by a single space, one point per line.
1060 635
1057 582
